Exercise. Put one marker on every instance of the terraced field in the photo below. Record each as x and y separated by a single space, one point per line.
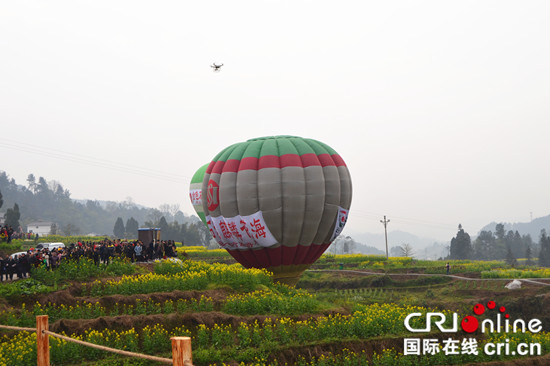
349 316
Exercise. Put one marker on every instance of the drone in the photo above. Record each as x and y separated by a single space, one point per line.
216 67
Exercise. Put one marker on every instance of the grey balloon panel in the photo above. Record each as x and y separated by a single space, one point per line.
293 186
345 198
270 200
269 189
273 220
332 202
228 194
247 192
315 201
345 187
326 228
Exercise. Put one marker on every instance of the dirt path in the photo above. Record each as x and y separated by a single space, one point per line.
530 280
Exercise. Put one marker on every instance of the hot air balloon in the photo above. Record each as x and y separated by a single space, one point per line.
195 192
276 202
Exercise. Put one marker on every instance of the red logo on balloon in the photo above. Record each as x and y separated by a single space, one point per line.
212 195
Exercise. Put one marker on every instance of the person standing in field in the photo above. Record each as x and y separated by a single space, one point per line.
448 267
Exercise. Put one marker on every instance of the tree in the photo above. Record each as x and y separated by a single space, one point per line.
406 250
499 231
119 228
395 251
164 228
154 216
132 227
544 254
528 255
174 209
510 259
461 245
31 180
42 186
71 229
1 201
12 217
484 245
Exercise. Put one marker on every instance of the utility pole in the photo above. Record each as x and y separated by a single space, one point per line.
385 222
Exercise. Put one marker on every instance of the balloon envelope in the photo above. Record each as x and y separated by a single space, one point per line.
276 202
195 192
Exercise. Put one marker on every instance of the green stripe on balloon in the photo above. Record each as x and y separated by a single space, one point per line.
196 185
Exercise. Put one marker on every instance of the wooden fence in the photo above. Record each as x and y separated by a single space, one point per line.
181 346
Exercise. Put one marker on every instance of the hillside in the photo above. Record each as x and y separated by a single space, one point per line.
49 201
532 228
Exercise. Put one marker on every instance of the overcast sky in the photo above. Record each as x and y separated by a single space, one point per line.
440 109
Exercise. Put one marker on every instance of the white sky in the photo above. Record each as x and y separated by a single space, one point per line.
440 109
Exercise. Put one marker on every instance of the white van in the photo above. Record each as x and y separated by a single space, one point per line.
17 254
50 246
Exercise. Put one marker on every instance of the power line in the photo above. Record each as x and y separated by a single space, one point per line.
92 161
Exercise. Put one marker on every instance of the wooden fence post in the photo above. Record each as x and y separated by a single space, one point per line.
181 351
42 341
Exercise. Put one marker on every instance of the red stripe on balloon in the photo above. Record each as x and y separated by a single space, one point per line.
218 167
261 258
210 167
315 251
301 253
320 251
326 160
310 160
269 161
235 255
289 253
249 163
291 160
231 166
248 259
273 161
312 249
239 257
275 255
338 160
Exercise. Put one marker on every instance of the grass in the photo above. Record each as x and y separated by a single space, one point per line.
257 322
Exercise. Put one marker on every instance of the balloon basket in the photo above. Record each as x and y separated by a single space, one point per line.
288 275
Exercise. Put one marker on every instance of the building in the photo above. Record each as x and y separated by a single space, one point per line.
42 228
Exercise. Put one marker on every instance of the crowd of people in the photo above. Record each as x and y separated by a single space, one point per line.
7 234
98 251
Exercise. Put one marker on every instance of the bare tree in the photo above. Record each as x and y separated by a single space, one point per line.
407 250
164 208
154 215
174 209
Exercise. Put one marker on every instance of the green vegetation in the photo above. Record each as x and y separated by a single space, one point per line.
236 315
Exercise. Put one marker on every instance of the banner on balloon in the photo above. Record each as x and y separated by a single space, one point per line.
196 197
340 222
241 231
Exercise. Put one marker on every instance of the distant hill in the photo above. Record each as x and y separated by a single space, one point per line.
49 201
424 248
532 228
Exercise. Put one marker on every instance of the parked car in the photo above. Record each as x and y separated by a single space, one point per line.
50 246
17 254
